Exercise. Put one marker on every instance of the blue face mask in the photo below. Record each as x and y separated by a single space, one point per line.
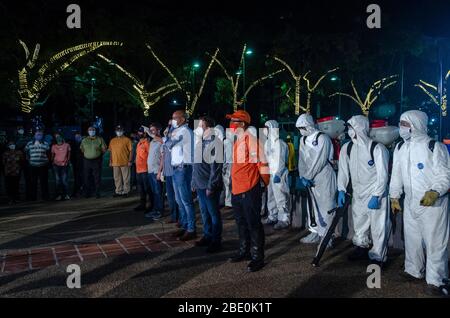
38 137
77 138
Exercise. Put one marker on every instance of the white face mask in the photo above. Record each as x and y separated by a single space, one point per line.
20 131
91 133
174 123
12 147
119 133
351 133
405 132
305 132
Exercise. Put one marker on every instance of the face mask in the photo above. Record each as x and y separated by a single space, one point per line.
174 123
119 133
305 132
351 133
20 131
59 140
152 135
405 132
234 127
77 138
91 133
12 147
38 137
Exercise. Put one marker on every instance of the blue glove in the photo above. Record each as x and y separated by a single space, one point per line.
374 203
276 179
306 182
341 198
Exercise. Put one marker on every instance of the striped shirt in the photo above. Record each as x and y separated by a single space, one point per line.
37 153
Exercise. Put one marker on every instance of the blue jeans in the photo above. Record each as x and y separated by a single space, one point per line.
155 186
182 185
62 182
171 197
212 221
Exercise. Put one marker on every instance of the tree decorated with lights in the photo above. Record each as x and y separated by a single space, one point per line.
310 88
32 83
372 95
192 95
147 98
234 80
433 92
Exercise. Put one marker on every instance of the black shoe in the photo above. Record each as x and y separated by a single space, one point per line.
202 242
240 258
404 276
125 195
116 195
255 265
441 291
214 248
358 254
140 207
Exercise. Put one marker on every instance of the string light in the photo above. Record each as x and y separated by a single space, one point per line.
297 79
312 89
234 81
190 102
29 91
433 93
147 98
376 88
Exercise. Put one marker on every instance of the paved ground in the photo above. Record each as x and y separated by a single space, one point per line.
141 269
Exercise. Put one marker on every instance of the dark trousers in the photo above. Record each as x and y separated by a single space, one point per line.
61 179
247 209
27 176
145 193
91 167
41 174
12 187
77 177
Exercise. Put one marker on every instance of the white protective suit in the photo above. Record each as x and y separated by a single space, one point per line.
368 179
416 170
276 152
314 164
226 168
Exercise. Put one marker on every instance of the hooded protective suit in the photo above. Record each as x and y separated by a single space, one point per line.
228 159
276 152
369 179
314 165
416 170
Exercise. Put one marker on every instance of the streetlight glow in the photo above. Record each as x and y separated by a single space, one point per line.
249 52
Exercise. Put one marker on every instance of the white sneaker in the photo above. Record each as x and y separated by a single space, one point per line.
312 238
58 198
66 197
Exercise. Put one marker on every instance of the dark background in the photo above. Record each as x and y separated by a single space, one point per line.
310 35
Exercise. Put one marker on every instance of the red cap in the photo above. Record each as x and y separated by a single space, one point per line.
323 119
241 115
377 123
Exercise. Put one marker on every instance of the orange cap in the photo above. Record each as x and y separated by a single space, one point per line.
241 115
